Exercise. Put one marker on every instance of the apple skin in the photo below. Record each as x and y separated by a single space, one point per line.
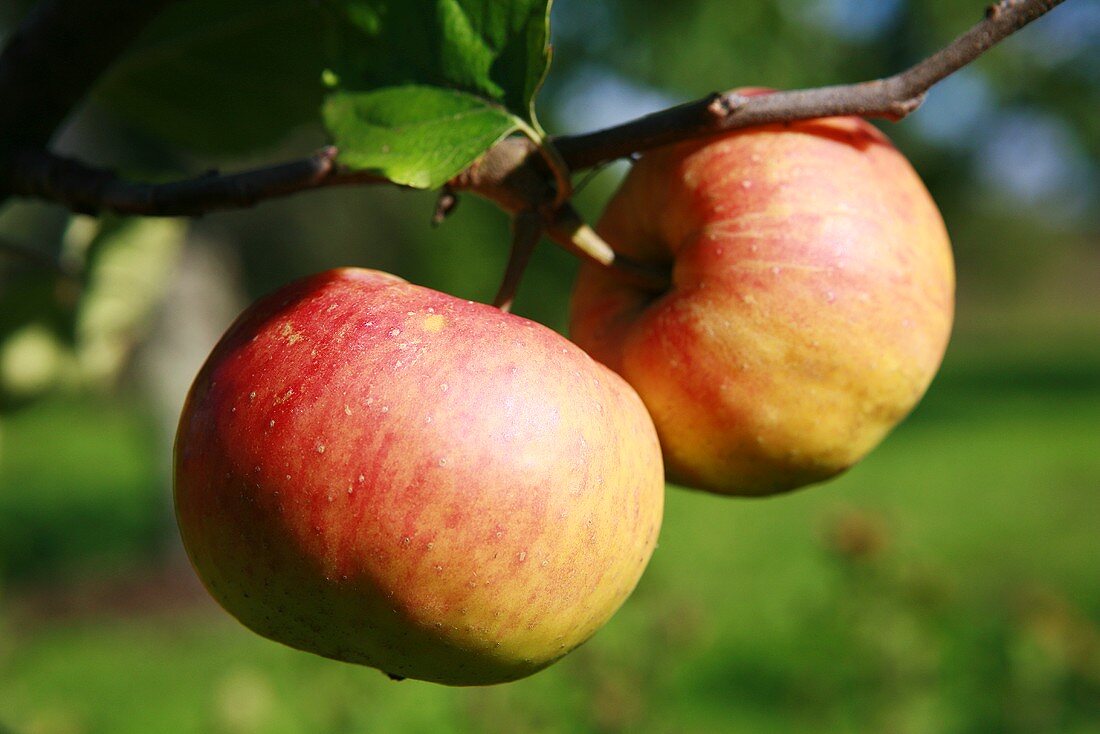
387 475
811 304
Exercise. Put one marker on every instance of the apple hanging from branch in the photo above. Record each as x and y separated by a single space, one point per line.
811 300
388 475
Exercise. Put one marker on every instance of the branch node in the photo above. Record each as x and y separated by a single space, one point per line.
444 206
902 108
721 106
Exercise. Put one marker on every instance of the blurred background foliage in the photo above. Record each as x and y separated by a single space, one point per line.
950 583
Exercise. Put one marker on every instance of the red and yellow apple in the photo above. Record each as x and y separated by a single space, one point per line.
811 300
383 474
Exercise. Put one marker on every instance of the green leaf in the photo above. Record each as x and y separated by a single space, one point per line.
222 76
423 87
494 49
416 136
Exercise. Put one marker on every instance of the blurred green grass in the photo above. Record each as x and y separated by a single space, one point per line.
79 486
947 584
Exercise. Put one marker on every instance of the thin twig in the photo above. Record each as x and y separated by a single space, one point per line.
86 189
892 98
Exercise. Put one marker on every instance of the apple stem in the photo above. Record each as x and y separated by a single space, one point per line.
526 232
569 230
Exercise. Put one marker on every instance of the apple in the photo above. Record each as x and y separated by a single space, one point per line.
811 300
387 475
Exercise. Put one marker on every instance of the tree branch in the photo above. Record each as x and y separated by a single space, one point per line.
90 190
892 98
511 174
